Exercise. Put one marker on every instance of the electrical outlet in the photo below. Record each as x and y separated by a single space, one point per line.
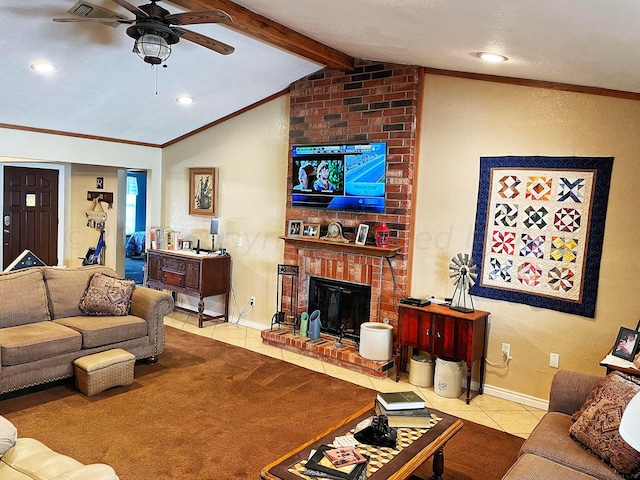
506 350
253 301
554 360
239 241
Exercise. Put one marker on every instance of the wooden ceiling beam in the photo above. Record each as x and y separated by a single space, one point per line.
268 31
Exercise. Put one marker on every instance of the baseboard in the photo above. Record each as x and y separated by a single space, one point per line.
243 322
521 398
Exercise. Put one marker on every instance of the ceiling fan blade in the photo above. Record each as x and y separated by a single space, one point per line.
98 20
210 43
191 18
132 8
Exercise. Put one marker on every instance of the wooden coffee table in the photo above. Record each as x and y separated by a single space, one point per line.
401 466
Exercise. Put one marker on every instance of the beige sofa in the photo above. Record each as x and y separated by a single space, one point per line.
550 452
27 458
42 329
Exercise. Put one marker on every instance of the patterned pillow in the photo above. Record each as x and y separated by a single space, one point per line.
597 427
107 296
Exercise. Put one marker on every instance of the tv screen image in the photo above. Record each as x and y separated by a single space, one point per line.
340 177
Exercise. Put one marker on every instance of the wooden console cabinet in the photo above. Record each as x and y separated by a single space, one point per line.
438 330
191 274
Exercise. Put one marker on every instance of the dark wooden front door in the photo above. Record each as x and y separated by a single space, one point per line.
30 217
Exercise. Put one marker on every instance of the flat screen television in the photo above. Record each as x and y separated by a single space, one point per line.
340 177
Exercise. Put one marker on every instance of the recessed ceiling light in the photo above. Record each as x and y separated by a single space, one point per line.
185 100
43 67
491 57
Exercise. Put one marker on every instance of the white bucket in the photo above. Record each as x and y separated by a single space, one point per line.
448 379
421 371
376 341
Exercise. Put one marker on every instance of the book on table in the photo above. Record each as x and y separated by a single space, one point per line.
344 456
320 466
400 400
409 418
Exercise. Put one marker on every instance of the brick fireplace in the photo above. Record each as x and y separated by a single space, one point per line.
375 102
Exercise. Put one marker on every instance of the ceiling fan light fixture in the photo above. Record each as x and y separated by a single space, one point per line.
491 57
43 67
185 100
152 48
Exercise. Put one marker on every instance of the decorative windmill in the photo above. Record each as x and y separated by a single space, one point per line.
463 274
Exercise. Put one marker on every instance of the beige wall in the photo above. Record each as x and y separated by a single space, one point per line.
466 119
250 153
41 150
80 237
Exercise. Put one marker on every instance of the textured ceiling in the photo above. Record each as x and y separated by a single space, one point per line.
101 88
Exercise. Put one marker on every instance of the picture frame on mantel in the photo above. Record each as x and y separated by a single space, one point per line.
295 228
203 186
361 236
311 230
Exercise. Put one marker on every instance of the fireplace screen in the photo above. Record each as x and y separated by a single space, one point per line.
343 306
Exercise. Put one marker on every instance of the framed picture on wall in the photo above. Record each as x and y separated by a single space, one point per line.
295 228
203 191
311 230
626 343
361 236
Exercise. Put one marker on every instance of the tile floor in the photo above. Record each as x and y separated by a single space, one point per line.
491 411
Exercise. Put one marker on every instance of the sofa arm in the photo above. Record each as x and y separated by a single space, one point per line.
96 471
152 305
569 390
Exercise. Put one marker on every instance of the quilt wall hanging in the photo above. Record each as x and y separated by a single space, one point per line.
539 230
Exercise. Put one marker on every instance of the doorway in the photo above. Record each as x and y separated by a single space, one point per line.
30 213
135 225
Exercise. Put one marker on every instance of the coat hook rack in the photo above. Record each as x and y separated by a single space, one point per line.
106 197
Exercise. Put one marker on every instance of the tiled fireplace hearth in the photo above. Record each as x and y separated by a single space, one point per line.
326 349
374 102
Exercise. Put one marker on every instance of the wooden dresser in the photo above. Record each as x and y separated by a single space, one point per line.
441 331
188 273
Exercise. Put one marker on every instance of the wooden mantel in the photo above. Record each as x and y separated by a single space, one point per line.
350 248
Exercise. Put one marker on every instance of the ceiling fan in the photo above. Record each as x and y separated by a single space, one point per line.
155 29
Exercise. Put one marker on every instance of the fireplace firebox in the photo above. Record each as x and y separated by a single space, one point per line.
344 306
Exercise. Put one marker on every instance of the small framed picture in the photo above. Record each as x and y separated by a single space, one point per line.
186 244
625 345
295 228
203 191
311 230
361 236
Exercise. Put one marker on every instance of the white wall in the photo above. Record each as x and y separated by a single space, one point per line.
250 153
466 119
38 149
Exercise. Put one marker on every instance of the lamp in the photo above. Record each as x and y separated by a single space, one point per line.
630 423
215 226
382 236
152 48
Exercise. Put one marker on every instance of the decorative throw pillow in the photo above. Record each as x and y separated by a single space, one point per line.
597 427
8 435
107 296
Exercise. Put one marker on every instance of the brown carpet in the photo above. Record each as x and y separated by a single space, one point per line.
211 411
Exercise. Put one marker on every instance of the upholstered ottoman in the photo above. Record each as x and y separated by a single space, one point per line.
100 371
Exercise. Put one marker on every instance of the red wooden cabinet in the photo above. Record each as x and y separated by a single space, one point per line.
443 332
